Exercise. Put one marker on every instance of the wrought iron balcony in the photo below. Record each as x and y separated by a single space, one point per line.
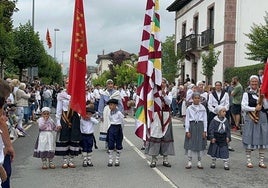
190 43
207 38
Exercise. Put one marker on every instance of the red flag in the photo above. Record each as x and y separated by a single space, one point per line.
77 73
264 85
49 43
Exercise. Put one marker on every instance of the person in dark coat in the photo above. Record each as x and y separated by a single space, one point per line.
220 136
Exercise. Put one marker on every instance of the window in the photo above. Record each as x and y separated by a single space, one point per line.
195 24
183 32
211 18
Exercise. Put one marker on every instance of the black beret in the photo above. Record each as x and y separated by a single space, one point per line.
113 101
88 109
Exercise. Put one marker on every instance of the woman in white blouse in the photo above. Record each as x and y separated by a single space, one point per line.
255 130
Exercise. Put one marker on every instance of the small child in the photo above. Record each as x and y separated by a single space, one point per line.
220 136
115 132
45 143
196 129
87 129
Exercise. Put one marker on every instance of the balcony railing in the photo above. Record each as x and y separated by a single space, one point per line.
207 37
196 42
190 43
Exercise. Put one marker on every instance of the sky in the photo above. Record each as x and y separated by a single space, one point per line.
111 25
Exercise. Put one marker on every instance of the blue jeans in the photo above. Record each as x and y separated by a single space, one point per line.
7 167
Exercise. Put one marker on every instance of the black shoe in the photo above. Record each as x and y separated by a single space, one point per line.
153 164
166 164
143 148
230 149
226 168
213 166
89 164
84 164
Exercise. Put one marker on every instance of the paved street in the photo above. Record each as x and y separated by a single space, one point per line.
134 170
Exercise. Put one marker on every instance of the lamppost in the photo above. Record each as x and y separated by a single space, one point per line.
55 38
33 16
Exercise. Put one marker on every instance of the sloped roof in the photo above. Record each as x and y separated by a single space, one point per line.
114 55
177 5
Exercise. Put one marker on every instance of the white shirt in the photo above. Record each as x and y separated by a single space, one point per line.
195 113
87 126
96 94
174 91
63 100
116 118
212 102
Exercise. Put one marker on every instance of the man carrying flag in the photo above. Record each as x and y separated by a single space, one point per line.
73 101
153 118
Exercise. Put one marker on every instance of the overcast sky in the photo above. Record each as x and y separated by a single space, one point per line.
111 24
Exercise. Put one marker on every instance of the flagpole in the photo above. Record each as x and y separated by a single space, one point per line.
55 39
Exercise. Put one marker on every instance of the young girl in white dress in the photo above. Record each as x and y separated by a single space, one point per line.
45 144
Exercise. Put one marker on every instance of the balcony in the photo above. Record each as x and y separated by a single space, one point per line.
190 44
207 38
195 43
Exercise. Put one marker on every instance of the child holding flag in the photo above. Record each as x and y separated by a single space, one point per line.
87 124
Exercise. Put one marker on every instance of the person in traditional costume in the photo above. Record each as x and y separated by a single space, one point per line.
161 140
215 98
195 131
87 125
255 129
45 144
104 110
68 126
220 136
115 133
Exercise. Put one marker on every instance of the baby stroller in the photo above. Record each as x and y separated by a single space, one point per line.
12 120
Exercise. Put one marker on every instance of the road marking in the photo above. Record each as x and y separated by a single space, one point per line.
143 156
236 137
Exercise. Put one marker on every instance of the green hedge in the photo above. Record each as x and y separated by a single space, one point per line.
243 73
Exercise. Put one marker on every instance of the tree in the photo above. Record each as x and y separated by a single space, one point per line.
258 46
9 7
169 59
49 70
30 48
6 42
125 73
209 60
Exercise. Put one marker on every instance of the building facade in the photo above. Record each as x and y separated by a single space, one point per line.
223 23
104 60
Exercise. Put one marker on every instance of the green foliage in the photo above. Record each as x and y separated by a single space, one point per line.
6 43
125 74
9 7
209 61
50 70
30 48
101 80
169 59
242 72
258 46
